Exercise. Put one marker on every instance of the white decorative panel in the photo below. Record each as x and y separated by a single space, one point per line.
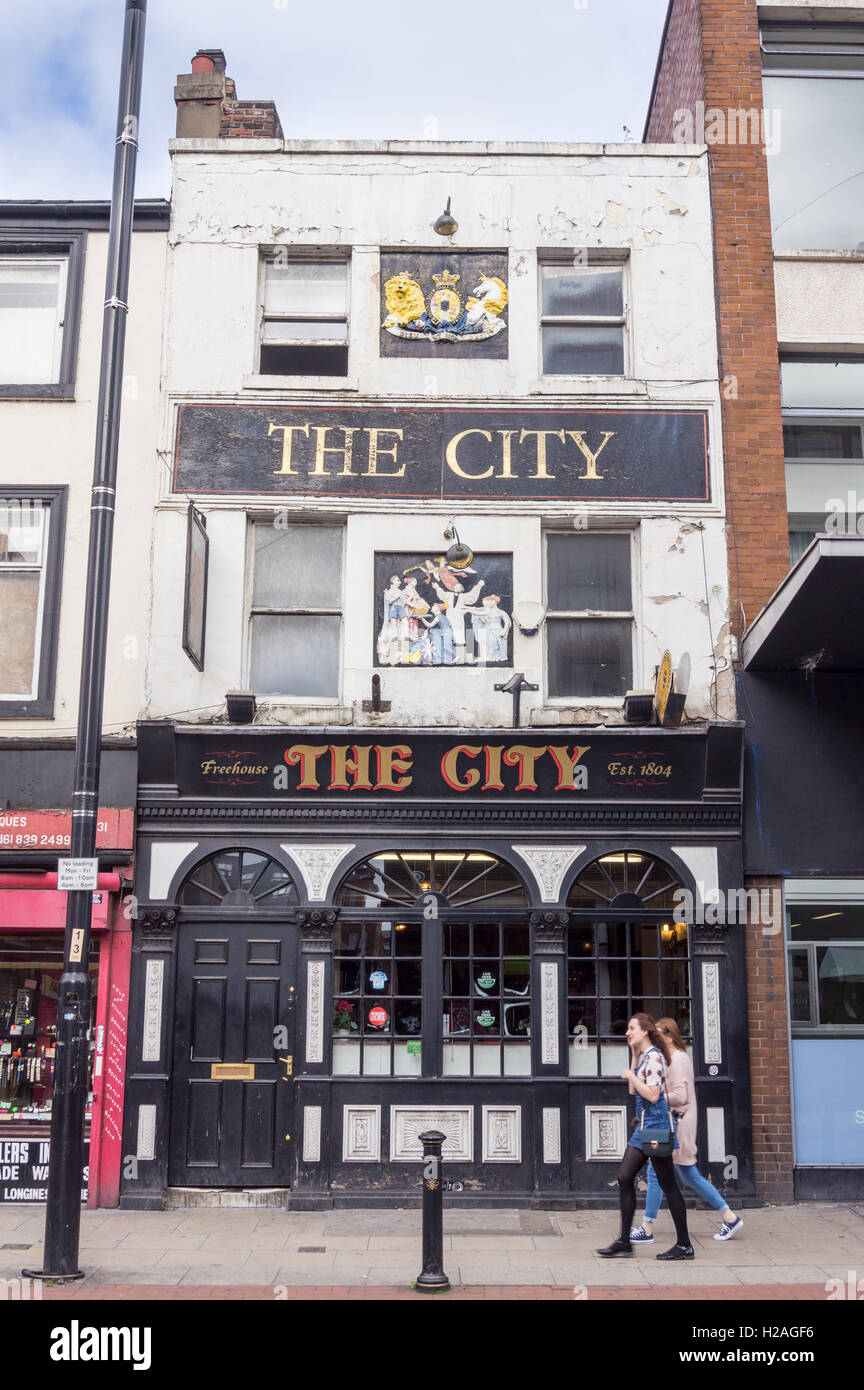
145 1149
549 1012
549 864
701 860
361 1134
551 1134
408 1122
311 1133
315 1011
715 1123
165 859
711 1012
151 1042
605 1133
502 1134
317 864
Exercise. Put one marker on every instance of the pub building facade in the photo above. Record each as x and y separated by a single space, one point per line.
443 483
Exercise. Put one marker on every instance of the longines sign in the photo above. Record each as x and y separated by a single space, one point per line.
315 764
558 453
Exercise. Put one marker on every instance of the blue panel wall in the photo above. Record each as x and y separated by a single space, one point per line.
828 1086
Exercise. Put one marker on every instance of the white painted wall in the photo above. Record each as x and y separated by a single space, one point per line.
230 198
53 442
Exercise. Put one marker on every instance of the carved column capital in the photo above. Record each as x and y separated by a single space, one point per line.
709 941
157 927
316 929
549 929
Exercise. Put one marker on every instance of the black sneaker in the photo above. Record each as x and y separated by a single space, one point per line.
677 1252
618 1247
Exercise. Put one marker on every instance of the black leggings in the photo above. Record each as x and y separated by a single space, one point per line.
631 1164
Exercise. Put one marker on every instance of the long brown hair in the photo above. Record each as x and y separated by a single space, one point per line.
647 1024
674 1033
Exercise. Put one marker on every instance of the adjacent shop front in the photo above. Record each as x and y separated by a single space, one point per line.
801 687
32 925
344 937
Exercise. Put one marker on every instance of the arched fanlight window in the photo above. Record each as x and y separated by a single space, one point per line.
625 881
238 878
461 878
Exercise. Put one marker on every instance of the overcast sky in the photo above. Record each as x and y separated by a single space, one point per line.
452 70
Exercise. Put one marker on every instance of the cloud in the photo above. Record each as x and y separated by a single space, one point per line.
488 69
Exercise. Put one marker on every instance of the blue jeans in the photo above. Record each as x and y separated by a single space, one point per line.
690 1177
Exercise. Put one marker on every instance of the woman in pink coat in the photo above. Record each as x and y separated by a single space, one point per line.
682 1102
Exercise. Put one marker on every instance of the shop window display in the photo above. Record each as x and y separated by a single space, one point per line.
478 984
30 970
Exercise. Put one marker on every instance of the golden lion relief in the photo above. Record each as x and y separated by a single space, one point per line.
404 299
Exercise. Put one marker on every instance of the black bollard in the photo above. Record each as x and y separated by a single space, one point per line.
432 1278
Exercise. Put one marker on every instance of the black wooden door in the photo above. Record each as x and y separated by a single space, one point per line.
232 1105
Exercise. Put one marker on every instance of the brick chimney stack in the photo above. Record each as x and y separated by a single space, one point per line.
208 109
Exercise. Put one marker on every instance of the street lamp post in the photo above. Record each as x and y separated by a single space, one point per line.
63 1215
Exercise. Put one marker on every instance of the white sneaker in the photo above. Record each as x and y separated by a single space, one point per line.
729 1229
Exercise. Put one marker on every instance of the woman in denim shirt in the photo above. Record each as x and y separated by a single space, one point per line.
681 1094
647 1079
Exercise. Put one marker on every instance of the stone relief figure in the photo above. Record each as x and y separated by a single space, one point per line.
433 614
491 628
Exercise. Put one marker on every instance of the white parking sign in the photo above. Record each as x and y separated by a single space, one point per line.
74 875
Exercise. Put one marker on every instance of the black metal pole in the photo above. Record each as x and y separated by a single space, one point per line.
63 1215
432 1278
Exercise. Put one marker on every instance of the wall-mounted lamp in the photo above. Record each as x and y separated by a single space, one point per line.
528 615
459 556
241 706
446 224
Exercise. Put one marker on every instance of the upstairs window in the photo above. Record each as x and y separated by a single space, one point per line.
823 437
304 329
589 616
814 99
40 304
582 318
296 613
31 547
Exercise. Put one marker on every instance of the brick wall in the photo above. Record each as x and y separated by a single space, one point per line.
680 81
711 54
250 120
770 1063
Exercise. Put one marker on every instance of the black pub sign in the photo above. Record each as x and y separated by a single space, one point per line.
494 453
560 766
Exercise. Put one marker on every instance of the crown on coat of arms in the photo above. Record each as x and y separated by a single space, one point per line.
446 277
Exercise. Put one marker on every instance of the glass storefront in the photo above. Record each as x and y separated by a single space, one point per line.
30 970
438 906
825 946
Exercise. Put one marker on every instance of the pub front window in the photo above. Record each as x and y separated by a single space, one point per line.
633 957
432 952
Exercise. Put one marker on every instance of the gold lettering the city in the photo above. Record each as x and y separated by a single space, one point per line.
502 454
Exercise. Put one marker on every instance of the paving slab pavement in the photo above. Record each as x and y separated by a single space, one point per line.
796 1247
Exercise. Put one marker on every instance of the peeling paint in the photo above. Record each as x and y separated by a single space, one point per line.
617 214
670 206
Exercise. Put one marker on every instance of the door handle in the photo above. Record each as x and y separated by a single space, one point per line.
289 1067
